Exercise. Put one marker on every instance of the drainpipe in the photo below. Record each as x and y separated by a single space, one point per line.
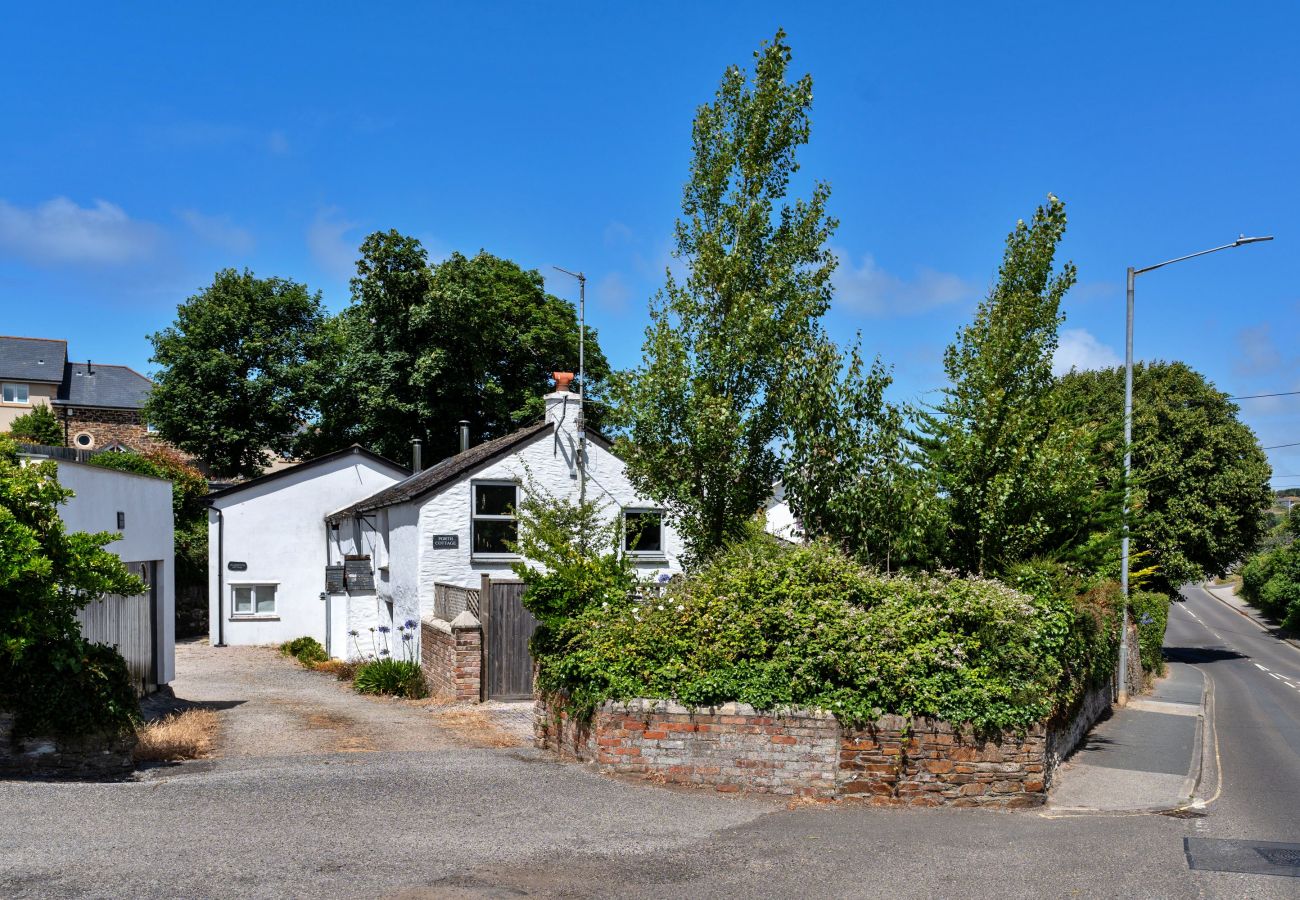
221 572
325 595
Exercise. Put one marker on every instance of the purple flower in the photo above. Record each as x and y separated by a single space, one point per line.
664 577
383 652
406 637
410 623
384 629
353 632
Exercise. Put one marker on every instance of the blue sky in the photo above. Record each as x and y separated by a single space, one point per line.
142 148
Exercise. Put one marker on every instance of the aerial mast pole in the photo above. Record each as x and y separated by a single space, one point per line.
582 380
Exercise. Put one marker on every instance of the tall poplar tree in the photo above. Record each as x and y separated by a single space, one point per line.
706 412
1018 478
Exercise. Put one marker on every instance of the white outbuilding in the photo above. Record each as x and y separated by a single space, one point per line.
267 547
138 508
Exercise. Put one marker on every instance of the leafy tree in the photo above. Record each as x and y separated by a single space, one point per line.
851 475
423 347
241 368
49 674
707 411
40 426
1200 480
1018 481
189 508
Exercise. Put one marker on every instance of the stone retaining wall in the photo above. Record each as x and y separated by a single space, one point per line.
90 756
451 656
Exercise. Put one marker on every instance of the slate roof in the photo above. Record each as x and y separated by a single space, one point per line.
32 359
114 387
443 473
311 463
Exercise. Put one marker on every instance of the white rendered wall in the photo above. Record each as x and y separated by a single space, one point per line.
546 462
100 494
278 530
780 520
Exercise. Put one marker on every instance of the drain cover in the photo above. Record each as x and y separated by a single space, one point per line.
1249 857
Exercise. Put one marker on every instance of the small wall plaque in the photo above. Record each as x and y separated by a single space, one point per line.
334 580
446 541
236 566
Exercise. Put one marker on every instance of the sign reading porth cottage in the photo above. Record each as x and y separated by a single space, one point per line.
446 541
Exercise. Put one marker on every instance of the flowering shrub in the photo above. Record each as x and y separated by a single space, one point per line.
775 626
382 672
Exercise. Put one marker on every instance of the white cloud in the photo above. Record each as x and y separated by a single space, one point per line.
1078 349
329 245
612 292
218 230
60 231
1258 352
869 289
278 143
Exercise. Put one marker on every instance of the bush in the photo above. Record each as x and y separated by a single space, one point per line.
776 626
72 687
1271 581
398 677
1150 610
307 650
40 426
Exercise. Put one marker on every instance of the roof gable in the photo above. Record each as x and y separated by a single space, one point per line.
355 449
32 359
445 472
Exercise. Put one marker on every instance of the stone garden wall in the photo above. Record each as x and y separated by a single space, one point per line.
93 756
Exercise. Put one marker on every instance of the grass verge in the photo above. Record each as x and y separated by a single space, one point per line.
184 735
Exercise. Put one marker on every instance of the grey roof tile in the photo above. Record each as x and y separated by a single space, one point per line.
115 387
444 472
32 359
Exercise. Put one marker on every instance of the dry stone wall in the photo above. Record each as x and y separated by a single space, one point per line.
97 756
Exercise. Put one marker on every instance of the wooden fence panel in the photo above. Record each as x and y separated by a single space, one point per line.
508 664
127 624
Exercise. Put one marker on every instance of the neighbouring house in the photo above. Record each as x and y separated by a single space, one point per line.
779 519
99 406
139 509
267 548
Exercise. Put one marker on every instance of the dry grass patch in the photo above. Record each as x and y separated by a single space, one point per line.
477 727
184 735
343 671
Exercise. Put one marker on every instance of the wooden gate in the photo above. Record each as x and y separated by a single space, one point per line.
507 626
127 623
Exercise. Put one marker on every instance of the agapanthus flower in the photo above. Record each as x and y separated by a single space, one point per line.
383 652
384 629
664 577
410 623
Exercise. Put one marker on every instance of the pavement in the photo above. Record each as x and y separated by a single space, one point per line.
1145 756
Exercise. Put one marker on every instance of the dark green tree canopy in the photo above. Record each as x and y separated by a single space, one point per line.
423 347
40 426
707 410
1200 487
239 370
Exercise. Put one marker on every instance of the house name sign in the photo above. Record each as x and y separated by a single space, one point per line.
446 541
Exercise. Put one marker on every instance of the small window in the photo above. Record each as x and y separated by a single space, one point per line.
150 428
494 523
643 532
14 393
253 599
85 440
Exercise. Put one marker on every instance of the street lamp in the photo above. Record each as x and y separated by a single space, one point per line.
1241 241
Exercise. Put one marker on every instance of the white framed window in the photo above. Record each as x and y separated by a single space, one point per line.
85 440
252 599
643 532
14 393
493 523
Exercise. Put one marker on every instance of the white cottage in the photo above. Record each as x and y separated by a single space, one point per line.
267 548
451 524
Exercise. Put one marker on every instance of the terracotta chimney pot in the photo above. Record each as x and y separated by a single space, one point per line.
562 381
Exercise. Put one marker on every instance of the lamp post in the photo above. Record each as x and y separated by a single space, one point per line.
1128 440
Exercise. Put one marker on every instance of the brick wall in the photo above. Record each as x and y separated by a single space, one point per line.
451 656
889 762
125 426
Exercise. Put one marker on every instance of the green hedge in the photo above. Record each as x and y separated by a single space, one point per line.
1150 611
1271 581
70 687
773 626
307 650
